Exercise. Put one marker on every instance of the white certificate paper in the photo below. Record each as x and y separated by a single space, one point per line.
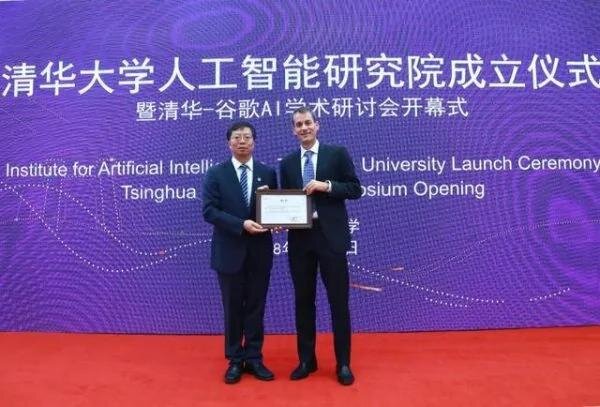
284 209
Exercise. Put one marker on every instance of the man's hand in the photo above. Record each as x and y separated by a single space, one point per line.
253 228
316 186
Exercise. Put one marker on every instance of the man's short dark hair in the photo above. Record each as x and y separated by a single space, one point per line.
240 125
302 110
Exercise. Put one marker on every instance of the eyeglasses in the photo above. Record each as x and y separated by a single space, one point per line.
239 138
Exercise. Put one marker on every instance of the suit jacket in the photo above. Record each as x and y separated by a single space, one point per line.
224 207
333 164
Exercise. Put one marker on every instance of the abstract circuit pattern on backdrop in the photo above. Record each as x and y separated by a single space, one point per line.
473 128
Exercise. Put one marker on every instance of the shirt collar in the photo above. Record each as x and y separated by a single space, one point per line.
237 164
314 148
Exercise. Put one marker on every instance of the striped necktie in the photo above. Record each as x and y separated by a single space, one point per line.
244 183
308 174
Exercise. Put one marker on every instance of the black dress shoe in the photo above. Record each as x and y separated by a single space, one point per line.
233 373
345 376
303 370
259 370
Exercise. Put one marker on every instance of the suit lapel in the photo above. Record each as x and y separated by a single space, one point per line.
322 160
258 179
233 180
296 170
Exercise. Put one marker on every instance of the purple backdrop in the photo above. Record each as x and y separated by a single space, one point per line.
395 82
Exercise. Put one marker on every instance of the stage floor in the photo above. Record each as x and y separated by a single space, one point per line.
524 367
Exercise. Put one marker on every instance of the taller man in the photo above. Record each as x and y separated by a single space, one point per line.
241 251
327 173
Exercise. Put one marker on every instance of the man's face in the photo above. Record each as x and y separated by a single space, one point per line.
305 129
241 144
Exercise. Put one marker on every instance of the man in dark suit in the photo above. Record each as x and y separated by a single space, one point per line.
241 251
327 174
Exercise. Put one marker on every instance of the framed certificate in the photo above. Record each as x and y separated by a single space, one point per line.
287 208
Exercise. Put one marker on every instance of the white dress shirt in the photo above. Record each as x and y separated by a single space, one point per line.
314 159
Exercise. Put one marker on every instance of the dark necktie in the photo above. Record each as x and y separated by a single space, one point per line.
308 174
244 183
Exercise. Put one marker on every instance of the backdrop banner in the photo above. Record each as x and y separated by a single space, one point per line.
474 128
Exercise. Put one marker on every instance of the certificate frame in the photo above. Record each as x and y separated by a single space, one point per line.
266 197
